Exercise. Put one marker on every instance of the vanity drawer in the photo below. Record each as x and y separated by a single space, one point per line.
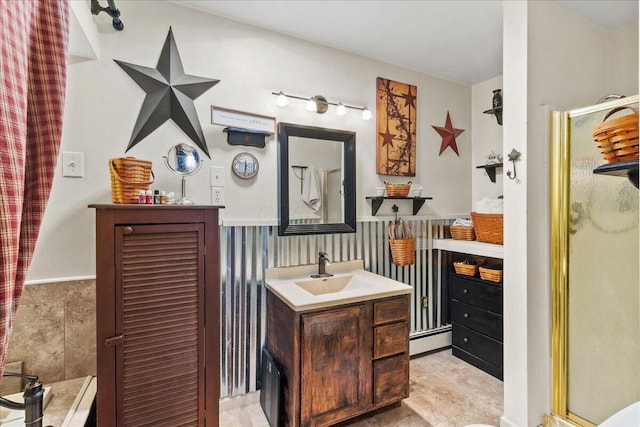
476 292
487 322
390 379
480 345
391 310
390 339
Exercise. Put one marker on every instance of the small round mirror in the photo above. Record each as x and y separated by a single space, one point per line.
183 160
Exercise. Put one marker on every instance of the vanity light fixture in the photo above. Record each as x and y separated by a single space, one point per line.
282 100
319 104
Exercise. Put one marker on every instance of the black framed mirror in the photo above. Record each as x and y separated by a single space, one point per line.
316 180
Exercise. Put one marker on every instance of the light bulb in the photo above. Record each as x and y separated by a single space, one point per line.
282 100
311 106
341 110
366 114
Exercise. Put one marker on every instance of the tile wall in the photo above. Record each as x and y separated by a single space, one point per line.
55 330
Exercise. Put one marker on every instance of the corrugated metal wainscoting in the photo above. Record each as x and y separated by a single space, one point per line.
246 251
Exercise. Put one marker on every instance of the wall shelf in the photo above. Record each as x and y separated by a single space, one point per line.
491 170
471 247
376 202
627 169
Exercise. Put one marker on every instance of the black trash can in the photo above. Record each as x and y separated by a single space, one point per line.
271 390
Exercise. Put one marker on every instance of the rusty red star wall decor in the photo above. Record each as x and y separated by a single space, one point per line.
448 134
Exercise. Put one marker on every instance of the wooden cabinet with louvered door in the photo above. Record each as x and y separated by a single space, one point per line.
157 287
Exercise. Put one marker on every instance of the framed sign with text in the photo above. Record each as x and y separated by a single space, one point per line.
242 120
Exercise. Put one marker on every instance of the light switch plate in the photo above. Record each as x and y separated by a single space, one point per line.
72 164
217 176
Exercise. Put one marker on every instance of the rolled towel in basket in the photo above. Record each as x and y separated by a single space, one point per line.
487 205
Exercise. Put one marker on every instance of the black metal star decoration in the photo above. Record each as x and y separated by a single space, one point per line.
170 94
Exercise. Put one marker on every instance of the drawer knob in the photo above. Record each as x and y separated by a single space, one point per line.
465 339
466 315
127 230
466 291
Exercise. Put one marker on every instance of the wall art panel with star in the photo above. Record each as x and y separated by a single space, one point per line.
396 128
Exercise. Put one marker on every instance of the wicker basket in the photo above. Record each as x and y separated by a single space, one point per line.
403 251
397 190
490 274
465 269
460 232
617 139
488 227
128 176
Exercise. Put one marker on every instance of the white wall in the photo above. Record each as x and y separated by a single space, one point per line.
622 60
551 57
487 137
103 103
516 396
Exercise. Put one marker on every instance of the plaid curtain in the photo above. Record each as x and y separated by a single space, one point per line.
33 39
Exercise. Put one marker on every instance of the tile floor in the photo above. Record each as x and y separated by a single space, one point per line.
444 392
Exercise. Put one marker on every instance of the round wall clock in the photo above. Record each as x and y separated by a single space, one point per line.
245 165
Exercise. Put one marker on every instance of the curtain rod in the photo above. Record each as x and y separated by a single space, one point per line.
110 10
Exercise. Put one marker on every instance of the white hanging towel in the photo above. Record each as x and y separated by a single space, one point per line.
311 189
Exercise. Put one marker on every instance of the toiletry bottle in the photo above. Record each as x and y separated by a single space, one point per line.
170 198
163 197
142 199
156 197
149 197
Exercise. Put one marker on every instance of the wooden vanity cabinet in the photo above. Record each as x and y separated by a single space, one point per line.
334 365
390 350
157 315
339 362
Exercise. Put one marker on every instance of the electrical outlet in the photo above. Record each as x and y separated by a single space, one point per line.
217 195
217 176
425 302
72 164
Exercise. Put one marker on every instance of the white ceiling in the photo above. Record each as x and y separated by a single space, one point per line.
457 40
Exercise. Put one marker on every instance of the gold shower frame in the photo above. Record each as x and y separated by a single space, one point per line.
560 191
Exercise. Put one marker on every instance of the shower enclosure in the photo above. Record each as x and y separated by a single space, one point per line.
595 284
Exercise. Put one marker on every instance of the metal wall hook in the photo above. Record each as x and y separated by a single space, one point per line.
513 156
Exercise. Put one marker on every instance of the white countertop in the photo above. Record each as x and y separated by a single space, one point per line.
361 285
469 247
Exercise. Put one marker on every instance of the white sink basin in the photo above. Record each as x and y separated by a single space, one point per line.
350 283
326 285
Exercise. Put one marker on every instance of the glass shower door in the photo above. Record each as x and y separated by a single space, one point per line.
596 337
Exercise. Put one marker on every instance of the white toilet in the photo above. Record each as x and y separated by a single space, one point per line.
626 417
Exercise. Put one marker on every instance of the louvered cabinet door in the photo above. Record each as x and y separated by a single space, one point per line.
159 292
157 315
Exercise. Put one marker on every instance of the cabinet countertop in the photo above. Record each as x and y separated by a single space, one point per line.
361 285
470 247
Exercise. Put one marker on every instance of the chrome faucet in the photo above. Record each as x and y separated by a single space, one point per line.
323 261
